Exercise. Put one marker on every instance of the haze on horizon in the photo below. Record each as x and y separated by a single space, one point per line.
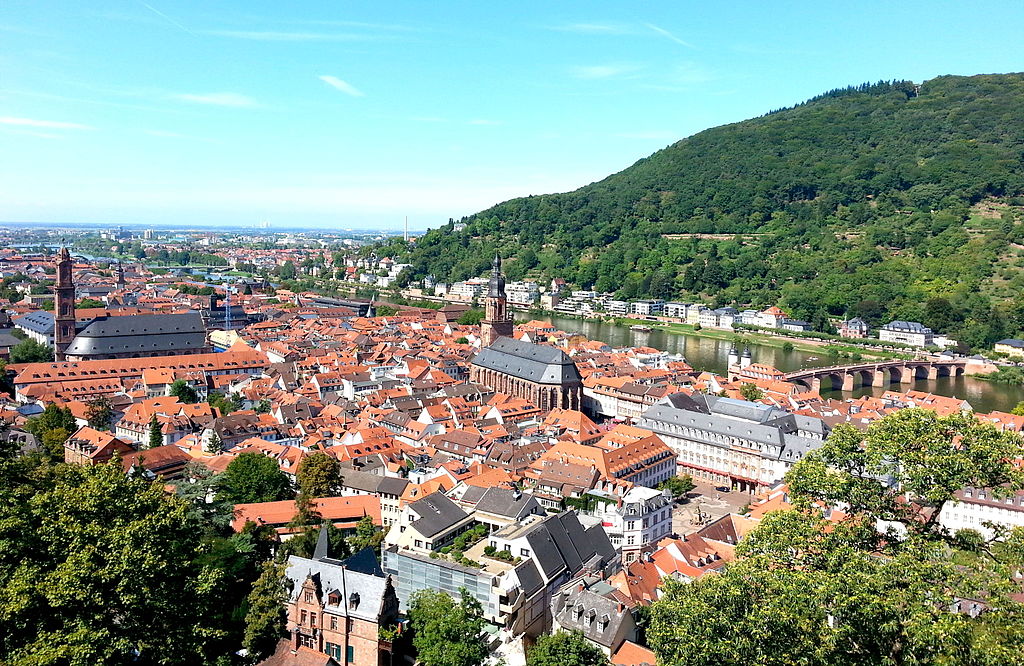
355 116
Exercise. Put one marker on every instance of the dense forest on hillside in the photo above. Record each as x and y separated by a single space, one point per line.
887 200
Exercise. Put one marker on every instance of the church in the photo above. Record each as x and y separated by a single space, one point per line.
125 336
541 374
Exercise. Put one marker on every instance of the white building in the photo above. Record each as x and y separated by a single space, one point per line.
974 507
635 522
468 290
677 310
907 332
745 445
522 293
648 307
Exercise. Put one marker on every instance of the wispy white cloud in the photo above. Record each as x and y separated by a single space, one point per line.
276 36
484 121
218 99
668 35
343 86
167 18
25 132
35 122
602 71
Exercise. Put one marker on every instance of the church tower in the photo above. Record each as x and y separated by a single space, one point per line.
64 305
120 276
497 322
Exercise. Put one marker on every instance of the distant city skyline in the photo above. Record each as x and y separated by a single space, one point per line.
357 115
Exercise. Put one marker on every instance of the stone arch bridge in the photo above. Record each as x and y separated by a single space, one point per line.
849 377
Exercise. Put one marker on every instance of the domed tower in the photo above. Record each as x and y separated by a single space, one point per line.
63 305
734 357
496 322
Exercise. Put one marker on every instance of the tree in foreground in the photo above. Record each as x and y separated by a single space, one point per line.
565 649
265 617
318 475
253 477
446 633
100 568
809 591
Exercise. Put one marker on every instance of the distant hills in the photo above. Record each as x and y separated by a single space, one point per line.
887 200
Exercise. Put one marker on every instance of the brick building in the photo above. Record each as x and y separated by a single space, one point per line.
337 608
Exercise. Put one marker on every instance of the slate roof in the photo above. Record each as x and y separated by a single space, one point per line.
559 544
906 327
541 364
140 334
762 424
374 483
1012 342
507 503
333 576
38 322
436 514
599 620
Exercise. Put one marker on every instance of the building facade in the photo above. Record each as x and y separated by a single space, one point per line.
497 321
745 445
63 305
908 332
541 374
338 607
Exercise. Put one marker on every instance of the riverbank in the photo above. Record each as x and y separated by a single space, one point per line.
765 340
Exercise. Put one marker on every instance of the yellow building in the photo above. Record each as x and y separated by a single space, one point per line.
1010 347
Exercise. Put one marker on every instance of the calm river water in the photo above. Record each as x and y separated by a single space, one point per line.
712 355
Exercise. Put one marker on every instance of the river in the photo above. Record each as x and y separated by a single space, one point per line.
712 355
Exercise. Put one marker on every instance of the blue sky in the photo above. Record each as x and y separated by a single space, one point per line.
356 114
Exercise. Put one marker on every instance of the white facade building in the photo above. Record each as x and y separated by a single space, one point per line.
745 445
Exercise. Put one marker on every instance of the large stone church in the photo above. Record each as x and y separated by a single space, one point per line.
542 374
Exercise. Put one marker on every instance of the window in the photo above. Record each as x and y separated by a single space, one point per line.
312 619
332 650
302 618
524 552
419 543
349 625
308 598
334 622
350 654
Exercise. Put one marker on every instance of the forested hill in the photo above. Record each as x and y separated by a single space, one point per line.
870 200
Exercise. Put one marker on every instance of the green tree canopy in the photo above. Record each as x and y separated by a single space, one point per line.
809 591
565 649
99 568
184 392
446 633
319 475
30 351
156 435
471 317
265 618
253 477
100 413
751 392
